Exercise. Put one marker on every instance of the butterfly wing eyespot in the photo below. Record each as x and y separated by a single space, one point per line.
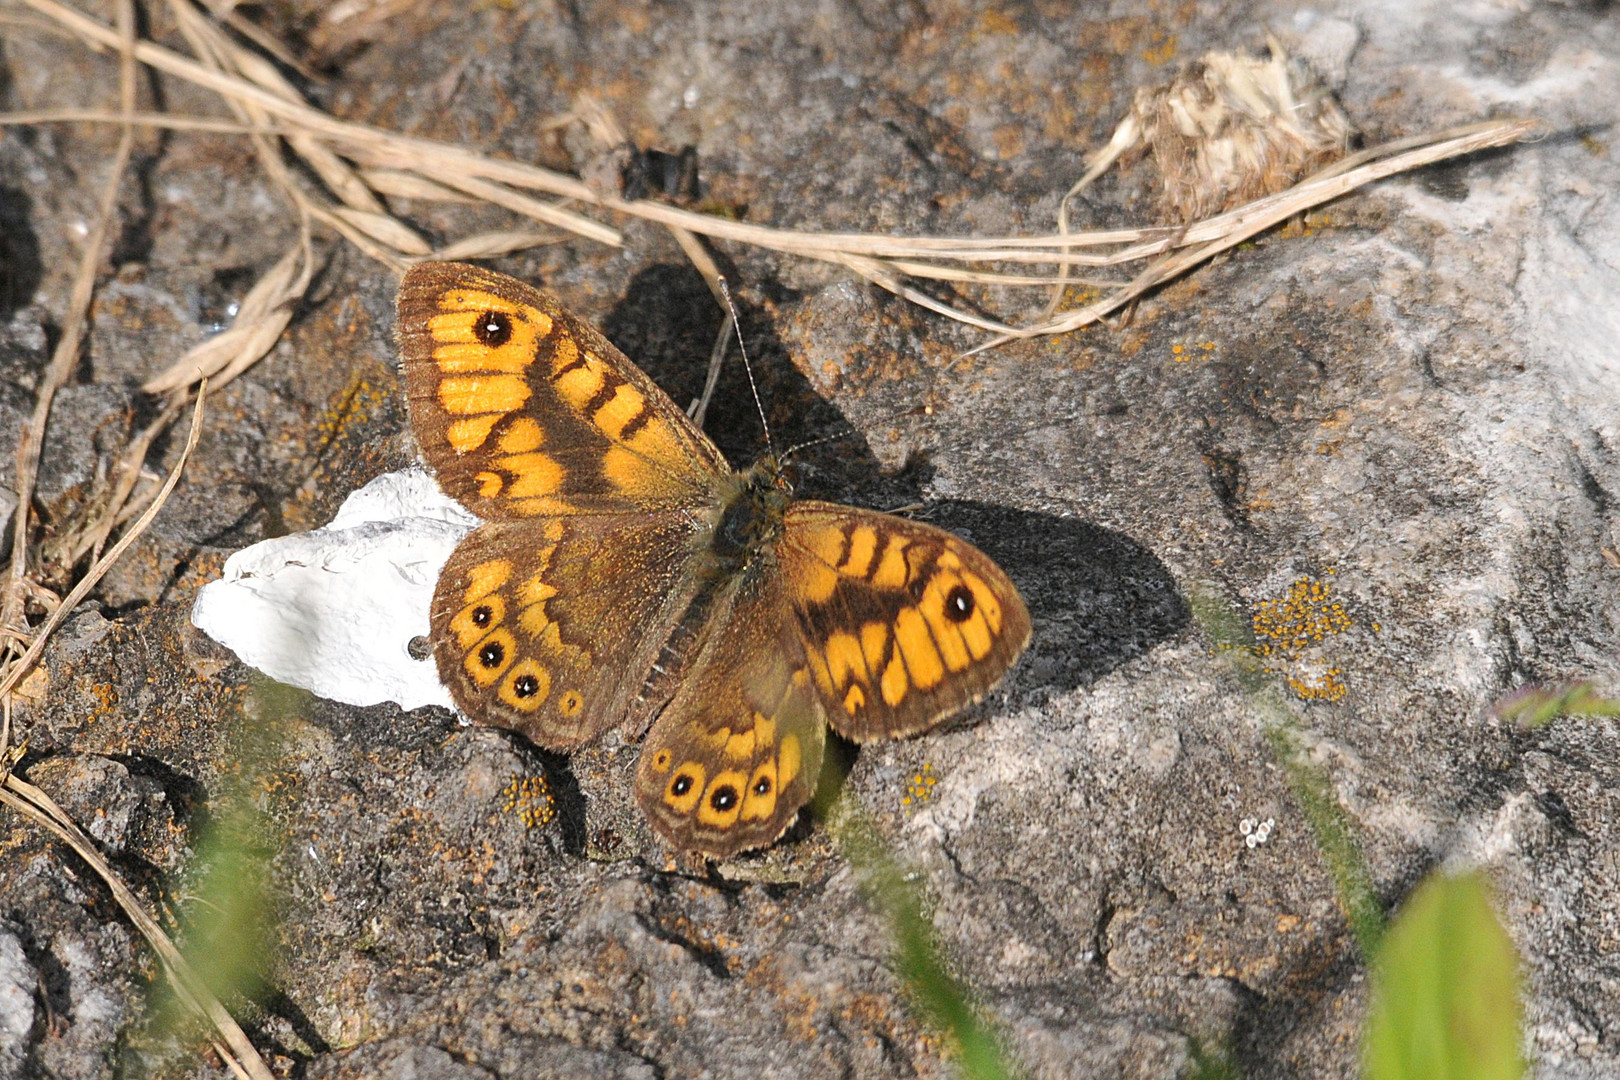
903 624
493 329
737 751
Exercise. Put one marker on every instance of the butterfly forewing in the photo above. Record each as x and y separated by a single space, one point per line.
524 410
902 623
550 628
738 750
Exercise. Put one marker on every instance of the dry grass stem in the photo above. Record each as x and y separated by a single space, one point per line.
220 54
487 245
698 410
386 229
260 319
1234 227
706 267
931 271
264 40
231 1042
168 121
701 260
105 563
13 608
111 509
493 180
880 273
549 213
408 185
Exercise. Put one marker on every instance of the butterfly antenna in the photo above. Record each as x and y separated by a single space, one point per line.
725 291
796 447
916 410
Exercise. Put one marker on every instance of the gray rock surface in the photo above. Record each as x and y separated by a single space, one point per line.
1409 400
17 982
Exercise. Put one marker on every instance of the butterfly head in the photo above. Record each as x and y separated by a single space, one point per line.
752 512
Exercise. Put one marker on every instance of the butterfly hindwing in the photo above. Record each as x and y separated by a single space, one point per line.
903 623
737 752
524 410
550 627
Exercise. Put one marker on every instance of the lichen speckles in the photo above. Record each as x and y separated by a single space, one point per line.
920 788
530 798
1188 354
1289 629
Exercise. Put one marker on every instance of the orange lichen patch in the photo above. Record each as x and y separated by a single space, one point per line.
700 938
1162 50
531 800
1186 354
920 788
1261 501
1306 616
997 22
350 419
1330 686
1287 627
1306 225
356 403
104 701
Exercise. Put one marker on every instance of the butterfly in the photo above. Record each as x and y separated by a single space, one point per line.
626 577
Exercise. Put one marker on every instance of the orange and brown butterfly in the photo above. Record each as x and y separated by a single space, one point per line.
627 577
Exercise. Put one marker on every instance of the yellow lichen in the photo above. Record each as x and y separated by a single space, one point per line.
1162 49
530 798
356 404
1187 354
921 786
1287 627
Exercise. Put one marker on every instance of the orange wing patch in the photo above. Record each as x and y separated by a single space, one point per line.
642 440
482 345
526 411
902 623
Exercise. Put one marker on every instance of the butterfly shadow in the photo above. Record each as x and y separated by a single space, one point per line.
1096 597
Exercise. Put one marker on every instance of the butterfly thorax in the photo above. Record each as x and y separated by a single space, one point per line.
748 520
751 513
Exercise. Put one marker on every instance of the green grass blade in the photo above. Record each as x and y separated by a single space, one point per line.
1445 991
943 1001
